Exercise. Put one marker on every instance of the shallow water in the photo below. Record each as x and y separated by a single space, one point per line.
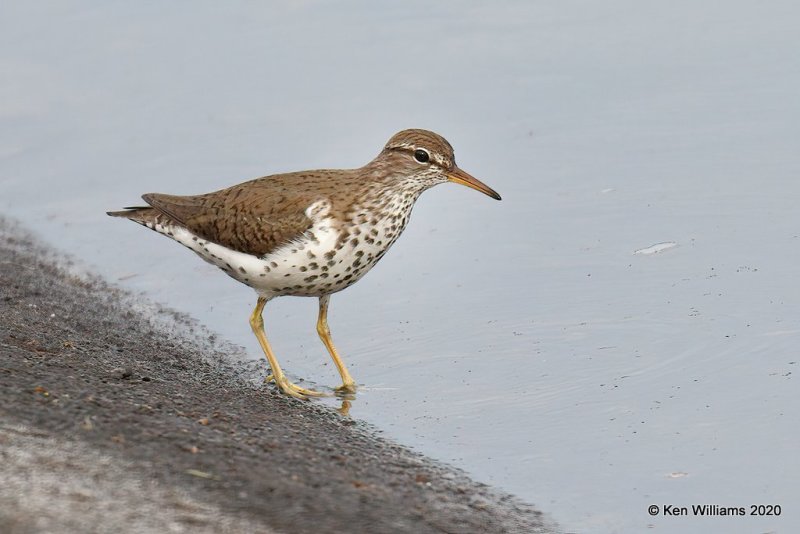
525 341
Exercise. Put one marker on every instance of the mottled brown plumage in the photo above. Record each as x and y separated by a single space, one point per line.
308 233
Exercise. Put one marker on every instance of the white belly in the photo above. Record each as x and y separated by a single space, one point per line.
320 262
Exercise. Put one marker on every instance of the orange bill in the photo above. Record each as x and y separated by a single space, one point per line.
460 177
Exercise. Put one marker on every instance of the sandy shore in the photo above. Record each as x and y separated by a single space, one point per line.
118 416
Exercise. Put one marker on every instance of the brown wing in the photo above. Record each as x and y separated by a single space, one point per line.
254 217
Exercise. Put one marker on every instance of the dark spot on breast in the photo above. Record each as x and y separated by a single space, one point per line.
228 265
241 270
273 264
311 255
354 242
330 255
303 269
310 278
313 266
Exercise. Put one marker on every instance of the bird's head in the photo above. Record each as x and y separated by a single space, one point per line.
426 158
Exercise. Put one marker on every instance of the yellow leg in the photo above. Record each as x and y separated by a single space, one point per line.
257 324
348 384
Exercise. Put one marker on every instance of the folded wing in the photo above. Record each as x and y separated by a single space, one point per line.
255 219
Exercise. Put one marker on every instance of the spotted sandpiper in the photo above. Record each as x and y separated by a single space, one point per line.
307 233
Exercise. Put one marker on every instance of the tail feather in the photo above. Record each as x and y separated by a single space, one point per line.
140 214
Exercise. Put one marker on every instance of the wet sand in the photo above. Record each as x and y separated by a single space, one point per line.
118 415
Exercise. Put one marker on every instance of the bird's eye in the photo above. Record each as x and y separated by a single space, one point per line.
421 156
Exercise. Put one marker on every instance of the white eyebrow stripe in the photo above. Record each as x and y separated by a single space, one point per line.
437 158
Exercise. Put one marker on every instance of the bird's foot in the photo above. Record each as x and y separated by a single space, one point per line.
293 390
346 389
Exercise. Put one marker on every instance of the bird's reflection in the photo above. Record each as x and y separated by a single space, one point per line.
344 409
346 400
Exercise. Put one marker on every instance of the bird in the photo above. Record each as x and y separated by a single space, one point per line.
308 233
